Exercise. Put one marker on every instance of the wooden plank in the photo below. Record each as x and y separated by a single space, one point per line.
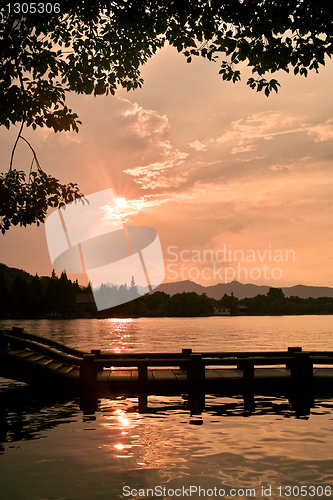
35 357
48 362
54 365
324 372
44 361
65 369
230 373
180 374
120 374
164 375
285 370
75 373
103 376
212 374
218 373
262 373
270 372
25 354
17 352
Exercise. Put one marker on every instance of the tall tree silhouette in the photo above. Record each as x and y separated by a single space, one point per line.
133 292
4 295
52 295
19 298
66 296
36 296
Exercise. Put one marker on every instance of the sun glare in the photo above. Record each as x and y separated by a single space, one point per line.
121 202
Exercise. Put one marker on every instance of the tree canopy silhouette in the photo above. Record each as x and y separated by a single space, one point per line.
95 46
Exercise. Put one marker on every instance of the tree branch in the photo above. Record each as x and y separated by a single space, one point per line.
33 152
14 147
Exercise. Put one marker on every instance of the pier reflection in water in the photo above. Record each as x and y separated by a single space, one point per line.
55 450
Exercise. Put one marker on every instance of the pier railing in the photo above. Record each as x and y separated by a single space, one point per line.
19 339
193 365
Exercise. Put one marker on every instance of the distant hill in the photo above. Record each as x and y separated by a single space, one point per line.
10 274
242 291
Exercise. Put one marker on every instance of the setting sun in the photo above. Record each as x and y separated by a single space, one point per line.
121 202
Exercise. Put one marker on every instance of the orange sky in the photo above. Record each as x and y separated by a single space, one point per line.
211 165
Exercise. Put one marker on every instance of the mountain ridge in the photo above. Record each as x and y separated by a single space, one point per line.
241 290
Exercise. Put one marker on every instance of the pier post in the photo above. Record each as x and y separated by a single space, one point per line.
143 394
301 402
16 330
143 401
143 372
3 344
301 371
249 402
247 365
186 353
196 369
293 350
301 366
248 369
97 353
196 402
88 371
240 357
196 379
88 402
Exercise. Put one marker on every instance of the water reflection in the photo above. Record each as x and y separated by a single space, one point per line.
121 332
172 334
25 412
44 438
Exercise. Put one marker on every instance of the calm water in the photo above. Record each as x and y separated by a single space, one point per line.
50 450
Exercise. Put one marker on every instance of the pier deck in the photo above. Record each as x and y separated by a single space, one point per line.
39 361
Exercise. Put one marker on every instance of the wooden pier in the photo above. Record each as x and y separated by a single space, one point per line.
42 362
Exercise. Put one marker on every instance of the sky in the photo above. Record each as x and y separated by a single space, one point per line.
238 185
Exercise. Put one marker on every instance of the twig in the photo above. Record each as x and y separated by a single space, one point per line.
33 152
13 150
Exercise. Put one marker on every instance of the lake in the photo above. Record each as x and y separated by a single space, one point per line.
50 450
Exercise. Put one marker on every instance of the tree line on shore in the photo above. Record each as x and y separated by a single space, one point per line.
24 296
59 297
275 303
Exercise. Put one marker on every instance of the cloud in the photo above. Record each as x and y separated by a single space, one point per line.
322 131
157 175
197 145
145 122
280 139
263 125
243 149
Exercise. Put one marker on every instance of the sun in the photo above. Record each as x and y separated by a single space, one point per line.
121 202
